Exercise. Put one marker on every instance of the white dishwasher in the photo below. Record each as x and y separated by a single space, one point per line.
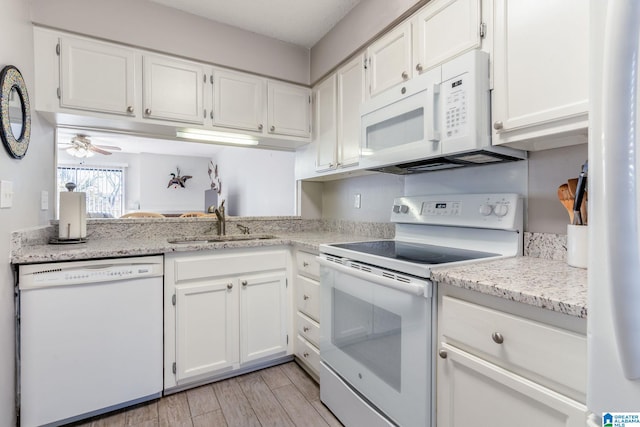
90 337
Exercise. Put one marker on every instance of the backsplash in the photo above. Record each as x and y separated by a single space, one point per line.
545 246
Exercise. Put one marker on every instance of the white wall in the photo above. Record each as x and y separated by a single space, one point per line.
361 24
153 26
30 176
154 178
257 182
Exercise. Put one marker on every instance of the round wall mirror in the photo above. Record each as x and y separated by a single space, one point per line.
15 112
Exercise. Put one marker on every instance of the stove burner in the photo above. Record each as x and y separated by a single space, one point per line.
415 252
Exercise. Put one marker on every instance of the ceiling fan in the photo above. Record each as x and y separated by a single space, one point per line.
81 146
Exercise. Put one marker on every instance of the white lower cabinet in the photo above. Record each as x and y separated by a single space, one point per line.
225 310
500 369
307 318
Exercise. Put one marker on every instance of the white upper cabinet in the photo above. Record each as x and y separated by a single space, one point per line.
540 70
389 59
444 29
325 134
289 109
238 100
173 89
97 76
351 81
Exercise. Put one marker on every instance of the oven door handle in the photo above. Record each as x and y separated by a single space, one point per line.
410 288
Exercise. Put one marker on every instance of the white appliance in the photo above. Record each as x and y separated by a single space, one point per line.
437 120
90 337
378 307
613 321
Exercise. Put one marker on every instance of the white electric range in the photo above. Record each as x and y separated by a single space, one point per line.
378 303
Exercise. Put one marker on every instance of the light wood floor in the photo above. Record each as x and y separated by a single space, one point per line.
282 395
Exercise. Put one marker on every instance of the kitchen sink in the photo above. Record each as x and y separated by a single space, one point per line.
218 239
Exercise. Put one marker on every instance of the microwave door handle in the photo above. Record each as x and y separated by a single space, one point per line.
433 102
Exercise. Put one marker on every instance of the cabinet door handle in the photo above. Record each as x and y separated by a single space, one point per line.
229 285
260 126
129 109
147 111
442 353
497 337
272 128
244 283
305 264
403 90
419 67
305 354
498 125
405 75
305 297
305 328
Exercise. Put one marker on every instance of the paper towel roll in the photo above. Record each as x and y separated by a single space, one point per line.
73 216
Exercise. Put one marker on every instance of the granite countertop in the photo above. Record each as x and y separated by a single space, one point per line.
543 283
113 248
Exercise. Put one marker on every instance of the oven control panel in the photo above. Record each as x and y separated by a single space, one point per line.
500 211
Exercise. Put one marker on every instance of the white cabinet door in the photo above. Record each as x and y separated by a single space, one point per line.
474 392
173 89
206 327
288 110
263 316
350 98
389 59
97 76
444 29
325 135
238 100
540 68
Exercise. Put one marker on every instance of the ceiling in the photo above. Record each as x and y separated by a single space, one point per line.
301 22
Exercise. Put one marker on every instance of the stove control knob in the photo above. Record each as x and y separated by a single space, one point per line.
486 209
404 209
501 210
396 208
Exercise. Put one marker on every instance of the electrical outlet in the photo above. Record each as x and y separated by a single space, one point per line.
44 200
356 201
6 194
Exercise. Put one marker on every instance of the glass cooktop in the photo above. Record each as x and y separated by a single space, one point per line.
414 252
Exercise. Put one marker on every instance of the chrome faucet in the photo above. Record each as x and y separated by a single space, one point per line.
222 221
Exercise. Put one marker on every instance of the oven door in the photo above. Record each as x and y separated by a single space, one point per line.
376 335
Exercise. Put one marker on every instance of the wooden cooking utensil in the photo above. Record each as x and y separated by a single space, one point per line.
567 201
573 185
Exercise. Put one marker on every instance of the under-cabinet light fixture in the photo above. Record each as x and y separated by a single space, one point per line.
215 136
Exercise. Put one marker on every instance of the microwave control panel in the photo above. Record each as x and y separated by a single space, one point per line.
455 96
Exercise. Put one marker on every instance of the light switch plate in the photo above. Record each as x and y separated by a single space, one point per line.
44 200
356 201
6 194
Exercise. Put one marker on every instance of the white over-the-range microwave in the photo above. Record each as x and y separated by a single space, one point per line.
437 120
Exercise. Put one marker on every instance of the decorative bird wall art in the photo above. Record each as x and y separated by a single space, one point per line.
178 181
216 184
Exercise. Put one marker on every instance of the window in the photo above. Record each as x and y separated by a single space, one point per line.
104 188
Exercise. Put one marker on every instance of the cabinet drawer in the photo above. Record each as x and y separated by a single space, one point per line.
309 353
544 353
308 297
308 328
308 265
192 267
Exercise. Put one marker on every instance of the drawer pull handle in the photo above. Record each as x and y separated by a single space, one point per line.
305 264
245 283
305 297
305 328
497 337
229 285
305 354
442 353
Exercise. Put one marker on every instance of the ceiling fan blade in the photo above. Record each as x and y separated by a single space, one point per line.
108 147
98 150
